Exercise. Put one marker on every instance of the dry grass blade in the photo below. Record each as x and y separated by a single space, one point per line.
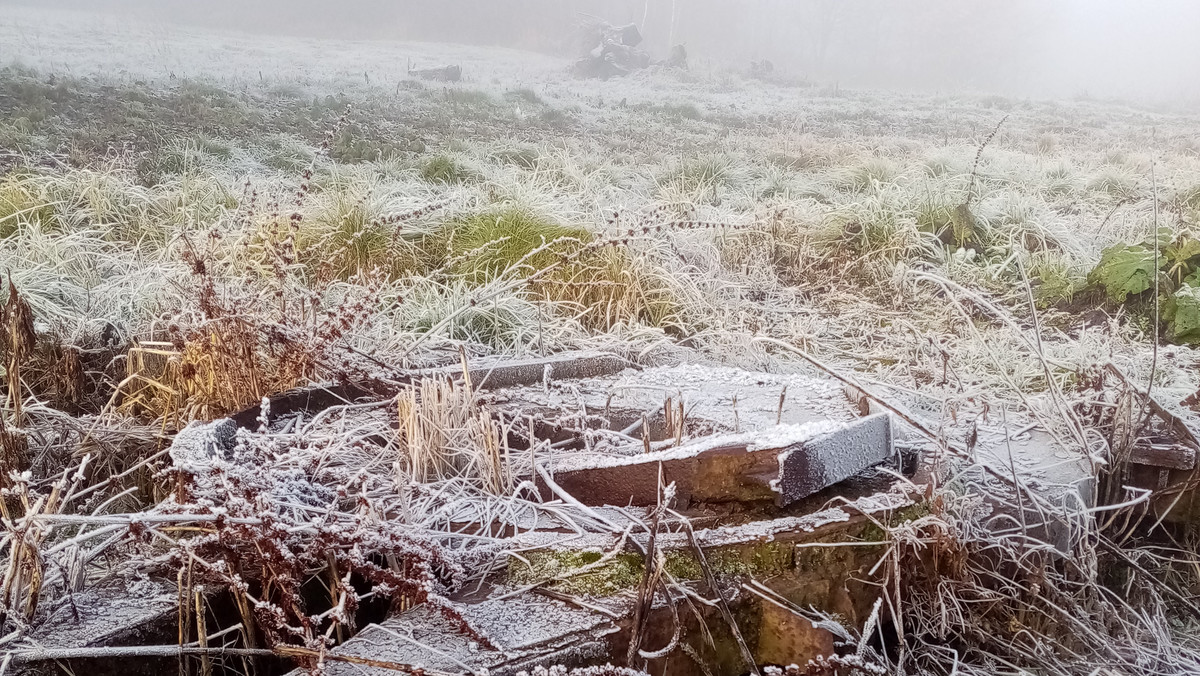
17 342
444 433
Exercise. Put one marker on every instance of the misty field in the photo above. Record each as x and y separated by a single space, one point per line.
192 224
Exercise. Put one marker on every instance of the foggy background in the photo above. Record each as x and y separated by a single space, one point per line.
1136 49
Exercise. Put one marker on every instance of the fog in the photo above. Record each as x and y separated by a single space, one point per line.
1135 49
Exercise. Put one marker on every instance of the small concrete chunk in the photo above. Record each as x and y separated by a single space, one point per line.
1056 475
566 366
1167 456
485 374
832 458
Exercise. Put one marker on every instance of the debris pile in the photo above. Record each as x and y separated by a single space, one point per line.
626 495
535 516
762 70
611 51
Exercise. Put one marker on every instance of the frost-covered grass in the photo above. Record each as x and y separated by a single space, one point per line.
824 201
848 206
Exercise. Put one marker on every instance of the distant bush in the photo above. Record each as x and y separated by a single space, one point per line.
526 95
601 286
25 202
492 242
790 161
445 170
525 157
700 178
868 175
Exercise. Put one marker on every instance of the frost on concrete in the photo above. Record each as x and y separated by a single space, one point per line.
523 632
783 436
499 373
837 455
794 527
715 398
118 611
787 528
1056 475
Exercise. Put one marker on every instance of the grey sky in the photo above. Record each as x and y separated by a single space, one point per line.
1129 48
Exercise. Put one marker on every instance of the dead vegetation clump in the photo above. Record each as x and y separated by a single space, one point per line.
268 539
222 356
979 593
445 434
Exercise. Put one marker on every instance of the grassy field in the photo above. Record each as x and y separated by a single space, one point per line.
192 222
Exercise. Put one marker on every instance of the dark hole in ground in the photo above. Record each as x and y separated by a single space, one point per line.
221 613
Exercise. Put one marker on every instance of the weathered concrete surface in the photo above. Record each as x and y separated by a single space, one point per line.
724 399
484 374
829 459
116 612
786 638
787 529
495 374
1164 456
1058 474
527 630
1043 469
781 465
523 632
751 447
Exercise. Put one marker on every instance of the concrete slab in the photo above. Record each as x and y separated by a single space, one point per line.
782 464
517 634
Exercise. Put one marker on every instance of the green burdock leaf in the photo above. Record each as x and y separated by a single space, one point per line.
1124 271
1182 250
1181 257
1183 315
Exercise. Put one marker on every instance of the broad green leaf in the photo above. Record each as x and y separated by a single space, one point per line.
1180 257
1183 315
1124 271
1182 250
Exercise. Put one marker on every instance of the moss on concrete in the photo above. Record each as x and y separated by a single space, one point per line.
752 559
624 571
757 560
